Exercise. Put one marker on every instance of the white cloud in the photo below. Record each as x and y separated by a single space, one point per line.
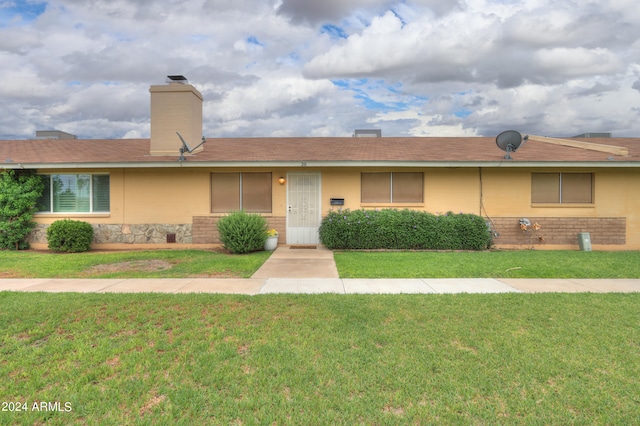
577 62
269 97
423 125
268 68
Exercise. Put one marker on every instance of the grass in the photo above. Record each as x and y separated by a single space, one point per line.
129 264
203 263
489 264
321 359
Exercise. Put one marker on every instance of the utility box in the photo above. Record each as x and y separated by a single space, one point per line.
584 241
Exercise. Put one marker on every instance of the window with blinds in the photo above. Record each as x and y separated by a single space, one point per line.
392 187
250 192
101 193
81 193
562 188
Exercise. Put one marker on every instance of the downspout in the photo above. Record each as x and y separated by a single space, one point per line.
480 182
482 207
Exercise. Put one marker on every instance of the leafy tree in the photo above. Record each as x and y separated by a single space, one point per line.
19 193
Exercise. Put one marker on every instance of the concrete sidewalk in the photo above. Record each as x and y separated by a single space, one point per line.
312 271
255 286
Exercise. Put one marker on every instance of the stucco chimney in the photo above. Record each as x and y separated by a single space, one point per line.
175 107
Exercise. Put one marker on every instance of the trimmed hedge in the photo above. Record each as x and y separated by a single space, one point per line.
69 236
404 230
242 232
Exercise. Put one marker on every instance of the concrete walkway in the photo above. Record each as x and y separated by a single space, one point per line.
287 262
309 271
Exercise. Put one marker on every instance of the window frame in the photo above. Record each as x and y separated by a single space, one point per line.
390 200
561 202
91 196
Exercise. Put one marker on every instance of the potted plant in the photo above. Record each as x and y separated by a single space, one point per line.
272 240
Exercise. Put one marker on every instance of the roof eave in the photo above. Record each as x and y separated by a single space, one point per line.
316 164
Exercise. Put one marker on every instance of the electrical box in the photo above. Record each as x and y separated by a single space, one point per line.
584 241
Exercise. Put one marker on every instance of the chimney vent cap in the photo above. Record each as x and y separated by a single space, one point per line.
181 79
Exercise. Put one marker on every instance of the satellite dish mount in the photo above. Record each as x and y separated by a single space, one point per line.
185 147
509 141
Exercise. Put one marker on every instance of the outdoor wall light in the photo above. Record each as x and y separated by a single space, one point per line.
281 180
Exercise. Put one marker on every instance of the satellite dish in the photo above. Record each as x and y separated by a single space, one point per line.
185 147
509 141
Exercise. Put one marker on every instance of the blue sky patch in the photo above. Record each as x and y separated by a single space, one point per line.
375 105
254 40
378 96
462 113
20 12
343 84
333 31
348 83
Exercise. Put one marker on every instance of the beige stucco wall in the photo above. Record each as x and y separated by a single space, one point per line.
455 190
168 195
176 195
165 196
507 193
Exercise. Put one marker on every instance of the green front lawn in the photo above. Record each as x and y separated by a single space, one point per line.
489 264
130 264
320 359
203 263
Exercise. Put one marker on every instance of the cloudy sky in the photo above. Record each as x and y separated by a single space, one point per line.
324 67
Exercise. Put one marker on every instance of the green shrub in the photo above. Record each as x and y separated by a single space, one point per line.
403 230
19 193
69 236
242 232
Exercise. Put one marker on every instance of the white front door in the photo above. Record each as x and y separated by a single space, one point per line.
303 208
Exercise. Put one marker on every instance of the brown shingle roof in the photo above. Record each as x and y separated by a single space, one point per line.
103 152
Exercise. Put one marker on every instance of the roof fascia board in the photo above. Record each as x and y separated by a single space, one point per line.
332 164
